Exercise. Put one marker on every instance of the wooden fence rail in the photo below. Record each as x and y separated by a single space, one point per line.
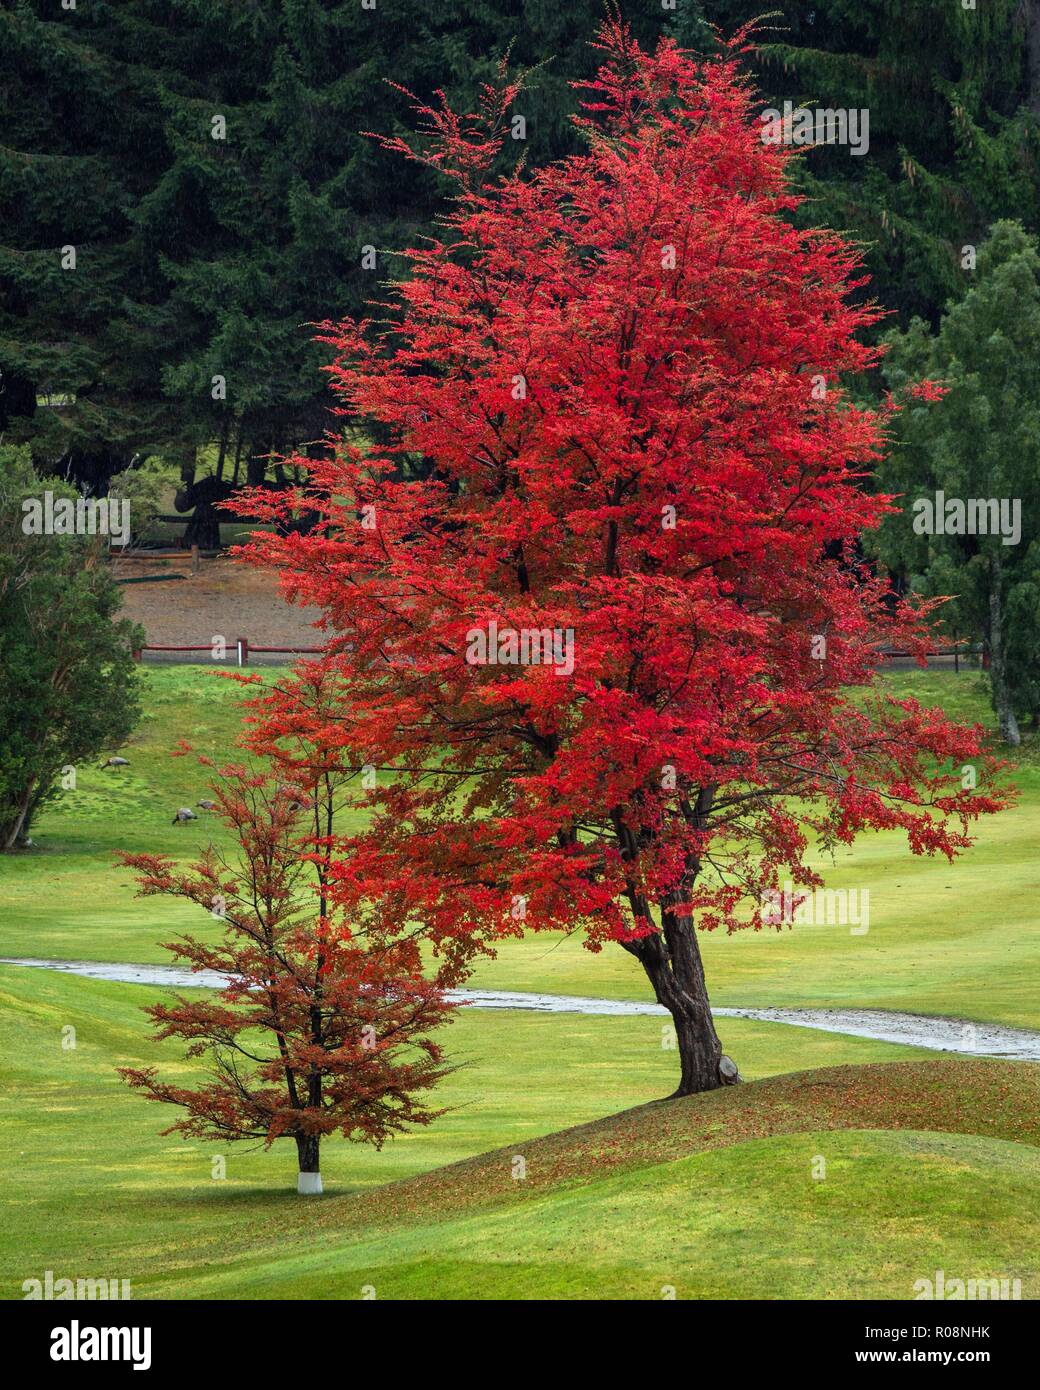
241 650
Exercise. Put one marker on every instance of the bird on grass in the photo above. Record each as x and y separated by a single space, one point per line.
115 762
207 805
185 813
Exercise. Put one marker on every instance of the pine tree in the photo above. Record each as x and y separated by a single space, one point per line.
953 95
276 205
76 153
980 441
209 160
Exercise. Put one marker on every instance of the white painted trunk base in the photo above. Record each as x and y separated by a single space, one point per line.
308 1184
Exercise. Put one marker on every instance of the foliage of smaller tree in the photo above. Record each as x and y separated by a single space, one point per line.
68 683
323 1026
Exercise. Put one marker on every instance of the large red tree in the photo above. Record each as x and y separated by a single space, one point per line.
589 571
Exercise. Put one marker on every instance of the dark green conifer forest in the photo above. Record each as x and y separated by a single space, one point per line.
186 186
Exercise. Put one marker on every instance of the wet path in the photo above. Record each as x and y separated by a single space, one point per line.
912 1030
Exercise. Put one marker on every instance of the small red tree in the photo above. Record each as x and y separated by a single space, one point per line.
595 602
322 1026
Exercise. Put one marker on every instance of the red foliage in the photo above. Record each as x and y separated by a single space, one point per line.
323 1026
608 404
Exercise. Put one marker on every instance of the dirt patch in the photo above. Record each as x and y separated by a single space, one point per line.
225 598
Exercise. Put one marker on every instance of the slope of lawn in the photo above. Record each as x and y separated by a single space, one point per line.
749 1221
665 1194
961 940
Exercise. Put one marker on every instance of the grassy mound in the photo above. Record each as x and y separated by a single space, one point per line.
853 1214
658 1195
838 1183
991 1099
92 1186
835 1183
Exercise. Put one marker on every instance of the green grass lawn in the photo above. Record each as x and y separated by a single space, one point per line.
714 1195
960 940
930 1163
747 1222
66 897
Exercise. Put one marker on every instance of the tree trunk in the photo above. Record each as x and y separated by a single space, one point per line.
673 966
1030 11
307 1149
16 828
309 1182
206 497
222 451
998 660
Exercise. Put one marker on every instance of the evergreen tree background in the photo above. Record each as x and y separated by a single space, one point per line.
79 148
982 440
201 261
953 96
187 185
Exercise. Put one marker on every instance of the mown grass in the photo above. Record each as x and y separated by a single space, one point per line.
607 1209
750 1221
929 1164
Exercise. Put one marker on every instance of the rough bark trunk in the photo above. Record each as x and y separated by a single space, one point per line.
998 660
671 959
673 966
308 1183
307 1150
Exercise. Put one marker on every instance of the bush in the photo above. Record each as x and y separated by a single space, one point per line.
68 683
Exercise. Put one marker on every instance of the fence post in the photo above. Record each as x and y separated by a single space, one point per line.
243 651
